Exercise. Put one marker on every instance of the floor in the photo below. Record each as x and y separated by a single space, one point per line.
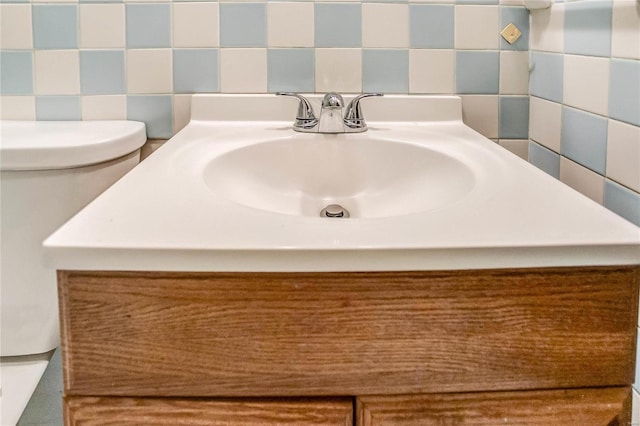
45 406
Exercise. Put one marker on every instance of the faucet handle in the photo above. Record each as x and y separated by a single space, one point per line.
305 118
353 118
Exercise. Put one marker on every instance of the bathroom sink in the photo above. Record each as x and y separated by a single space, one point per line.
237 189
369 177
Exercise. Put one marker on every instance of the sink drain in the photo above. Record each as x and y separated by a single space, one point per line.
334 210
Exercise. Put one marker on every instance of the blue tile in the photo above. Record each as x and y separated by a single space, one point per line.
148 25
584 138
102 72
155 111
514 117
16 73
622 201
518 16
587 27
547 76
55 26
51 108
431 26
477 72
243 24
338 25
195 70
544 159
385 71
624 91
291 70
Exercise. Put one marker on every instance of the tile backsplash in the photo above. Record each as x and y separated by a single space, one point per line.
141 59
585 99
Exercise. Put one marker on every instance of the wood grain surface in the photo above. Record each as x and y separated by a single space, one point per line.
575 407
328 334
96 411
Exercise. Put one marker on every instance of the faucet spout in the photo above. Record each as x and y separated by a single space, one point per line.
332 101
331 114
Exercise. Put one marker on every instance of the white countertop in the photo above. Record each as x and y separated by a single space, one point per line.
163 217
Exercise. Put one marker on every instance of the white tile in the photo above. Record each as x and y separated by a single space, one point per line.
433 1
243 70
545 119
15 26
17 108
519 147
149 71
623 154
102 25
477 27
181 111
582 179
385 25
514 73
107 107
480 112
339 70
57 72
547 29
586 83
196 25
431 71
512 2
625 37
284 31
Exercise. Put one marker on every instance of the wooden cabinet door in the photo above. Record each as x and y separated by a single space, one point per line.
575 407
106 411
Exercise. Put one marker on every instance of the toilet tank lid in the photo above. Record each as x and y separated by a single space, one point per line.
46 145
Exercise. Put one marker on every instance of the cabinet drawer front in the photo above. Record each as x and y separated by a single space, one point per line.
98 411
576 407
327 334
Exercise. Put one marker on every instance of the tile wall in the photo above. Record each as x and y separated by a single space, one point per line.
140 59
585 99
109 59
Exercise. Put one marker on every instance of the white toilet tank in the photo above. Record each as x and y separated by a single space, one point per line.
48 172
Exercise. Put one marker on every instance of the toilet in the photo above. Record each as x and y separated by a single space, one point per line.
48 171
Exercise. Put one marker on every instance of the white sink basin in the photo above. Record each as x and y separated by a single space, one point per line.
370 177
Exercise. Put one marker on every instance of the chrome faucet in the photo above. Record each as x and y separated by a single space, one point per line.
331 118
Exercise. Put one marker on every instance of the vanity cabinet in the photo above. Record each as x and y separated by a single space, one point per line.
421 347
